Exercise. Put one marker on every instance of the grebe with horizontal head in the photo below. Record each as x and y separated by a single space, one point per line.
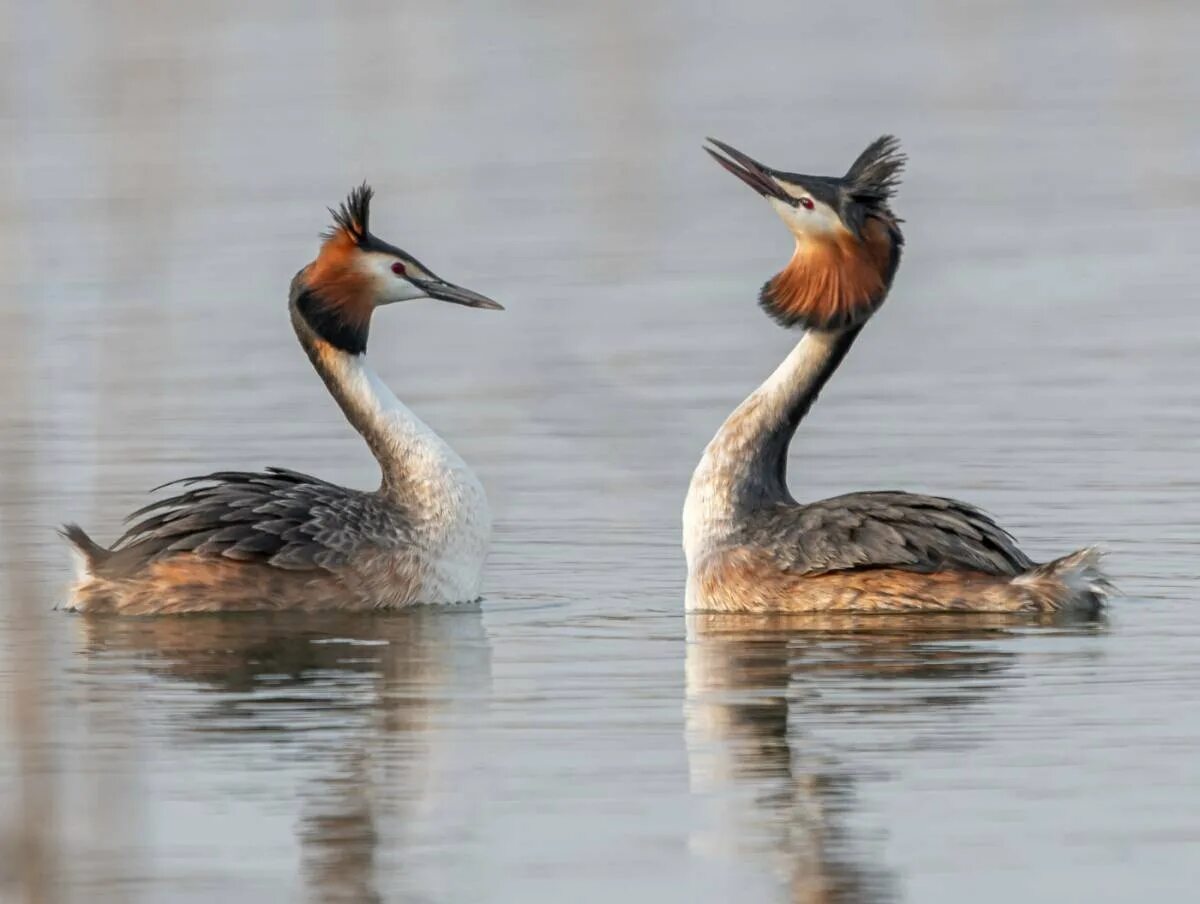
750 546
282 540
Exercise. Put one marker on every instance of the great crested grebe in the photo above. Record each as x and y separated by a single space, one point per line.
750 546
282 540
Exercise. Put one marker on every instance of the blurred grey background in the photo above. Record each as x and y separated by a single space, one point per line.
165 169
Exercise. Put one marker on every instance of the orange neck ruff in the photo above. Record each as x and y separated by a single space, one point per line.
833 283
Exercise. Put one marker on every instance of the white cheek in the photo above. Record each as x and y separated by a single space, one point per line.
390 288
821 220
399 289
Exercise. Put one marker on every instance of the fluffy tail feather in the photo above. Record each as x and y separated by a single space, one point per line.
88 553
1075 582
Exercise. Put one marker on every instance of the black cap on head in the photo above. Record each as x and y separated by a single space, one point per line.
864 190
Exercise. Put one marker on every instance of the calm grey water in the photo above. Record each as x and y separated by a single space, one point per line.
165 170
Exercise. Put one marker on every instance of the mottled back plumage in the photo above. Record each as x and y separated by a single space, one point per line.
883 529
278 517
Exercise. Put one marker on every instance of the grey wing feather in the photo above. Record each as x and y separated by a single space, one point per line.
887 529
280 517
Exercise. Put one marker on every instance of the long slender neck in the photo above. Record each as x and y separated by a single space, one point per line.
748 456
831 286
413 459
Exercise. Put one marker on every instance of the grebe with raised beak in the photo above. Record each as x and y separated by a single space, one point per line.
750 546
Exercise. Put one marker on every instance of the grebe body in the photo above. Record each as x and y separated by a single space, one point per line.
283 540
750 547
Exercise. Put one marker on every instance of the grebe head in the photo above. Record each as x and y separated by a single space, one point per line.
848 240
356 272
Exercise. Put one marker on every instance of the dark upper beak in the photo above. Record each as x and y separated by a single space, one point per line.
749 170
445 291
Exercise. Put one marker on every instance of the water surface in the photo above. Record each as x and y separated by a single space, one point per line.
165 171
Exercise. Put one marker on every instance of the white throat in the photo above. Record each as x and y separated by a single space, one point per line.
421 474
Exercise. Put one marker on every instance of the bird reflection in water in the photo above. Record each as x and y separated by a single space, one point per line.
760 688
359 702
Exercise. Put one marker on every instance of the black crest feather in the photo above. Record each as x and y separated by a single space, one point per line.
353 216
873 178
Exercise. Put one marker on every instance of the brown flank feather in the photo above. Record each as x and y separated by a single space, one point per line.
833 283
193 583
743 579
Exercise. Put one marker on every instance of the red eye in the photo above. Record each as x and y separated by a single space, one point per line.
806 203
398 268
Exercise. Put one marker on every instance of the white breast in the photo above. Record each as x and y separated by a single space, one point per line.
460 534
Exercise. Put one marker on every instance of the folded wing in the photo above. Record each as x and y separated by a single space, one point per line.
887 530
278 517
